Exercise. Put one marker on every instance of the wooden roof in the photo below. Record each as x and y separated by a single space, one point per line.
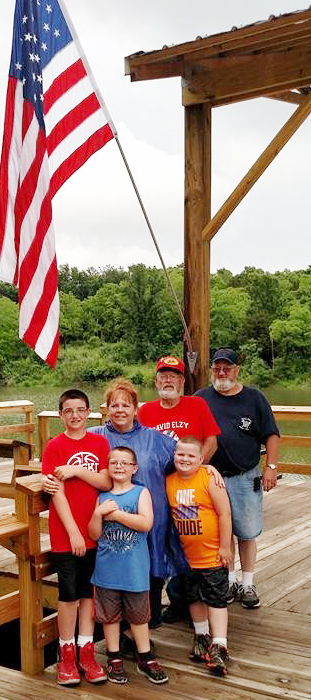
270 58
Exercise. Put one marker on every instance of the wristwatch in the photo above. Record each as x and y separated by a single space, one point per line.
272 466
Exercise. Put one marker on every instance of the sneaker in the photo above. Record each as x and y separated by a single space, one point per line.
154 672
93 671
115 671
201 645
249 597
217 659
67 670
234 592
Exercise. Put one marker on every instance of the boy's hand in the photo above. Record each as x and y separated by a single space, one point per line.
64 472
50 484
216 474
225 556
77 544
107 507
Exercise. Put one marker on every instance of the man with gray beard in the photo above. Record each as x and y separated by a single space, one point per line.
247 422
176 415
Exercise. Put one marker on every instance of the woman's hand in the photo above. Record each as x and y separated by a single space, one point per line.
50 484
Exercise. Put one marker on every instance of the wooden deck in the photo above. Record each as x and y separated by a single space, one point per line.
270 647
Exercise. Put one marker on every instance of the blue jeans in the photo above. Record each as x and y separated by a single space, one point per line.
246 504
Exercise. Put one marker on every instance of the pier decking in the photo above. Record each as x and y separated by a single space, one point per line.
270 647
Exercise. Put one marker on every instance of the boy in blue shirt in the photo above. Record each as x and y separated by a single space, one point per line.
121 520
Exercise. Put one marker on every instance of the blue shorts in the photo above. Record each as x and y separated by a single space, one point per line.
246 504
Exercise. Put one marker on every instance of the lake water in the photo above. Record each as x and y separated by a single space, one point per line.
46 398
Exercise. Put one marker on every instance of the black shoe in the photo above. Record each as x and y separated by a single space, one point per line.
154 623
128 647
172 614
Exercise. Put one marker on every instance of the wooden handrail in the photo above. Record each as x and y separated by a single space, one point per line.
44 428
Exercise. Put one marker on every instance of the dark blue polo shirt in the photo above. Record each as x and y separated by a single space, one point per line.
246 421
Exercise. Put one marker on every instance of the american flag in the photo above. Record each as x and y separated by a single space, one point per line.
54 121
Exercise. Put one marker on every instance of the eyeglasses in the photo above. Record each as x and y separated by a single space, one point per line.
71 411
116 463
225 369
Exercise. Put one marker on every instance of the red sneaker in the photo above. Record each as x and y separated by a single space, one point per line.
67 671
93 671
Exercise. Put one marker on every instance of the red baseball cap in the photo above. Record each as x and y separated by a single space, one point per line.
171 363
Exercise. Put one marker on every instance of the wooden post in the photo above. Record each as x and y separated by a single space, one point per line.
31 611
197 253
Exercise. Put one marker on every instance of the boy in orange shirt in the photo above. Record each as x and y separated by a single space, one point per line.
202 516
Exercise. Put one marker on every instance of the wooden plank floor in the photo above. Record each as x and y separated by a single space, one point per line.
270 647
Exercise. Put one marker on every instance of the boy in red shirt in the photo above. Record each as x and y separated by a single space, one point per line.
202 516
79 462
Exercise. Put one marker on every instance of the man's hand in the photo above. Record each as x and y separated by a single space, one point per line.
64 472
50 484
217 476
269 479
225 556
77 543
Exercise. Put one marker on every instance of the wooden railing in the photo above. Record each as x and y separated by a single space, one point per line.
20 533
294 413
44 425
26 409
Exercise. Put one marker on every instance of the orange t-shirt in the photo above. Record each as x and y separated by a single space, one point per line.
195 518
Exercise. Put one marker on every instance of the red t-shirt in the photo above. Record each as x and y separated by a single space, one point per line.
90 452
191 416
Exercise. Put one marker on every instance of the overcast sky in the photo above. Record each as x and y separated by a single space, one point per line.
97 218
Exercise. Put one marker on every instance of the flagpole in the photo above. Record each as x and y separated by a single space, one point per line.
192 355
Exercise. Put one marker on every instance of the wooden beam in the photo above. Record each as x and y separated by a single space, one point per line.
9 607
268 155
296 98
218 80
254 37
45 631
296 440
197 260
42 565
291 468
31 609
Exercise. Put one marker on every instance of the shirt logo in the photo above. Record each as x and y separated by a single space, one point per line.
245 423
84 459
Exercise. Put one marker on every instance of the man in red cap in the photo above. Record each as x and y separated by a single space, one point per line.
178 415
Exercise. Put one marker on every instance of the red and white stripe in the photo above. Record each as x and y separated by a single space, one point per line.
34 166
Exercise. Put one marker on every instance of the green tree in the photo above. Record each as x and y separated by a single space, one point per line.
103 315
70 318
11 347
143 307
292 341
229 309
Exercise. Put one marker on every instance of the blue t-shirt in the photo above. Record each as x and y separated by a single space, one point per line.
246 421
122 558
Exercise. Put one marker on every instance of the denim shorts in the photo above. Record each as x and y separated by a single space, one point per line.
246 504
